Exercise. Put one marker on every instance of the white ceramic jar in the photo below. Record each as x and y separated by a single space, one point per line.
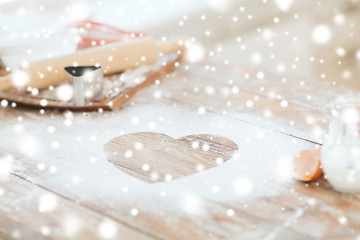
341 149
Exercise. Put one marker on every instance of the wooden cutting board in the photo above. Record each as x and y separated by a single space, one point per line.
155 157
118 88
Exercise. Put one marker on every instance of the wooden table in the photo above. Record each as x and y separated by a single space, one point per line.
61 186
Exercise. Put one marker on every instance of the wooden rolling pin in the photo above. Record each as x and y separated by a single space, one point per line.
113 58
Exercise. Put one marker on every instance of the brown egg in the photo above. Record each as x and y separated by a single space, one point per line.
307 165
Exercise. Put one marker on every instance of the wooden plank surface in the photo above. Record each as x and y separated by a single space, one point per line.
32 212
155 157
296 106
251 196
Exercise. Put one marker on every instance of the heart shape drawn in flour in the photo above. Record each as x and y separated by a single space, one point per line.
155 157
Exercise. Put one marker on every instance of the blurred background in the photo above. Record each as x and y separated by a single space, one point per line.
305 38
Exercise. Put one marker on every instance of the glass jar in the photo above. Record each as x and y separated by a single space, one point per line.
341 149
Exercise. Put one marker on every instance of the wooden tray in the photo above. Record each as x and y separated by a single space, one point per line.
118 88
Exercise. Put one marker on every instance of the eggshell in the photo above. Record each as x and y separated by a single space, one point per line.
307 165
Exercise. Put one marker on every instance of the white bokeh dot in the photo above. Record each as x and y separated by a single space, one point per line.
321 34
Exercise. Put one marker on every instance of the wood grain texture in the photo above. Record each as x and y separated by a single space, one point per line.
273 209
31 212
292 105
155 157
